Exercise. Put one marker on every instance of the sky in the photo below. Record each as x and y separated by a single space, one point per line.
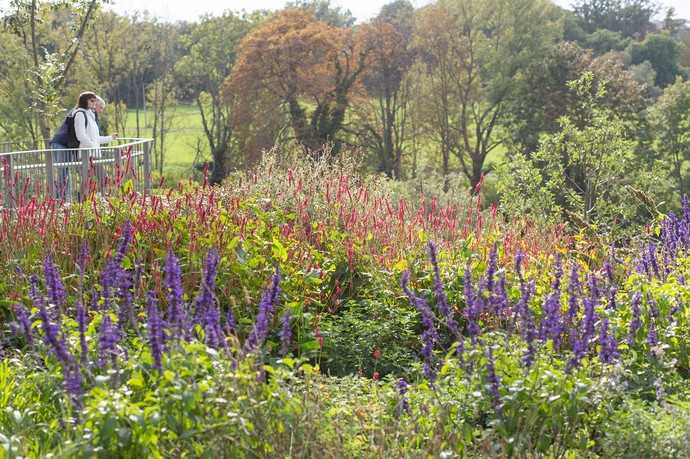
173 10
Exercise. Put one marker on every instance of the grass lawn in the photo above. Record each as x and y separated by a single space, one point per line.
184 137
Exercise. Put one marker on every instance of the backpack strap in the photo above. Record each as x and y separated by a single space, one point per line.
86 118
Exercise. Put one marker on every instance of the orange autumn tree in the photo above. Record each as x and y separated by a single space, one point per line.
308 66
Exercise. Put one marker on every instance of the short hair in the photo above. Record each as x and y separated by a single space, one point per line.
100 100
84 98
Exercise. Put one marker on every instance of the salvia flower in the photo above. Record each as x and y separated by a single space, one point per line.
207 289
652 338
81 323
430 335
285 333
501 295
83 258
51 335
473 305
230 322
588 321
439 292
519 259
635 323
267 306
72 381
125 241
659 389
54 285
25 322
155 330
173 282
404 404
493 379
492 268
608 347
574 293
212 329
107 342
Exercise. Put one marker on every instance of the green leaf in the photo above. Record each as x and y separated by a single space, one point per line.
279 251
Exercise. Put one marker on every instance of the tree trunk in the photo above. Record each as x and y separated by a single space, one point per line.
219 159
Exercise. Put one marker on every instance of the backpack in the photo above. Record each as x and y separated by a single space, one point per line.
66 135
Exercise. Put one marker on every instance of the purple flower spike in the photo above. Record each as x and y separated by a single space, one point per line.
155 329
81 322
125 241
267 306
230 322
439 292
51 336
473 305
206 296
519 259
430 335
608 348
83 258
107 342
492 379
54 285
285 333
404 404
574 293
173 282
211 323
652 338
23 317
492 268
635 323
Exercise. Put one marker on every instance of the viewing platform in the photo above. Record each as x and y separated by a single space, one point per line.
72 174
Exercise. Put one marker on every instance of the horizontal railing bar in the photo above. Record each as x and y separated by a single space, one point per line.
72 163
131 142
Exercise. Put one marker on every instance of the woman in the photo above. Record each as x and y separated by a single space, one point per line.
65 140
89 136
86 127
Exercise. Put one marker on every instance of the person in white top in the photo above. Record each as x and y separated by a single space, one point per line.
88 134
86 127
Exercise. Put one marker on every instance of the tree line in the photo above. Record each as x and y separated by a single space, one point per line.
582 107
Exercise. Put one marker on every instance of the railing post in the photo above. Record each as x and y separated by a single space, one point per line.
117 170
147 167
84 185
49 173
9 186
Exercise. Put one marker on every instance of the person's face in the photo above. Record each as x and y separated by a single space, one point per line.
92 104
99 107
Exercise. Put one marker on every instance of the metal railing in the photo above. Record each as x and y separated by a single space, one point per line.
72 174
